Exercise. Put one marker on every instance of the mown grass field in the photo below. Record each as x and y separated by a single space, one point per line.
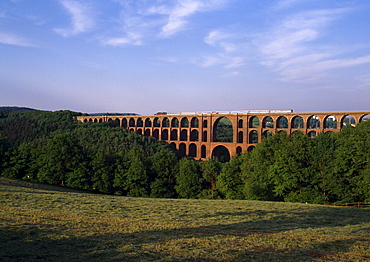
39 223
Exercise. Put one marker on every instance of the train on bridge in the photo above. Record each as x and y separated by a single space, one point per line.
227 112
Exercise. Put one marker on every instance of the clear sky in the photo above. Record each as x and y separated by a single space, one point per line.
145 56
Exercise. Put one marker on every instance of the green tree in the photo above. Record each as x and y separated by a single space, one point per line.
292 171
4 146
292 168
255 170
363 184
211 169
80 176
103 167
163 164
351 162
21 163
188 179
323 176
61 156
131 174
27 126
230 182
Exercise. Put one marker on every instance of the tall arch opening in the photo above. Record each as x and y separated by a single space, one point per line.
164 134
240 137
124 123
148 122
165 122
364 118
194 135
184 122
156 133
174 122
204 138
193 150
240 123
330 122
194 122
156 122
139 122
184 135
254 122
313 122
223 130
282 122
268 122
112 122
266 134
221 153
348 120
174 135
253 137
132 122
205 123
239 150
297 122
173 146
203 151
182 149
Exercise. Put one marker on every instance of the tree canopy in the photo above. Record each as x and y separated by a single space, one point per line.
52 147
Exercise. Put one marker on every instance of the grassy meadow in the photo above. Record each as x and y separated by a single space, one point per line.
44 223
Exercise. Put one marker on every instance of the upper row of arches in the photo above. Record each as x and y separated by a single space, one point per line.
297 122
165 122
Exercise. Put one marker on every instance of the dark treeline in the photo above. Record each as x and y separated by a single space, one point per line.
52 147
329 168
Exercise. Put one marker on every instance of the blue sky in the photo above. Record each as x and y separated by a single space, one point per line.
145 56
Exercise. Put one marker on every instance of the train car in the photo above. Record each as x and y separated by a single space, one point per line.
228 112
282 111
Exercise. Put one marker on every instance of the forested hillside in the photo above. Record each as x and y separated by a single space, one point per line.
328 168
52 147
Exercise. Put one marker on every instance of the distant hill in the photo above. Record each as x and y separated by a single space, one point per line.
23 109
15 108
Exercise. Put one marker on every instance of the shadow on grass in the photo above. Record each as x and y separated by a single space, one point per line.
266 234
310 217
29 242
33 245
41 186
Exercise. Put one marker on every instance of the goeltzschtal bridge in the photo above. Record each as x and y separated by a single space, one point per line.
203 135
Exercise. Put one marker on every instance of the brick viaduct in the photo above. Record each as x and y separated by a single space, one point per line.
195 134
